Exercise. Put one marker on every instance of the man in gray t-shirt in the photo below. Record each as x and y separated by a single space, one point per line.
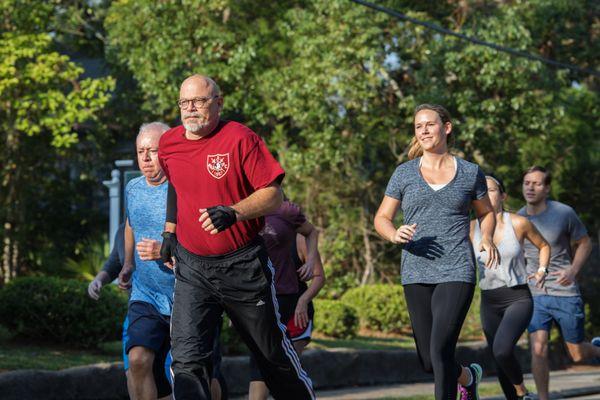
559 300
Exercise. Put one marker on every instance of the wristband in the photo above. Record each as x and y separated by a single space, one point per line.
543 269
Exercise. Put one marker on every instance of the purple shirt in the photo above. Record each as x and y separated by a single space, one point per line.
279 235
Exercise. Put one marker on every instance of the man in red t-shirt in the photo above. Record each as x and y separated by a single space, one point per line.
223 181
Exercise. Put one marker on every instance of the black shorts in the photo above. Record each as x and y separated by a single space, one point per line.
287 308
150 329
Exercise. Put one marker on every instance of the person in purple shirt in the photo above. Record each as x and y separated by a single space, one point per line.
291 273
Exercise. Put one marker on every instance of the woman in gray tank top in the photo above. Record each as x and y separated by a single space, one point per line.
506 303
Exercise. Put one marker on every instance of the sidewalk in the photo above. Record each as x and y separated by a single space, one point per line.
574 382
581 382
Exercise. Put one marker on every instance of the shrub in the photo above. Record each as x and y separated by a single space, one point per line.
60 311
379 307
5 334
335 319
472 329
231 341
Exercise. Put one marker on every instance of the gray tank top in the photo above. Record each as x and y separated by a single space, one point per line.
511 271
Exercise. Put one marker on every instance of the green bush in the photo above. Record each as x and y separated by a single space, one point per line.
60 311
472 329
5 334
335 319
231 341
380 307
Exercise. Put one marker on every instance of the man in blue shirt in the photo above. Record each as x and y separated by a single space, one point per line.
151 300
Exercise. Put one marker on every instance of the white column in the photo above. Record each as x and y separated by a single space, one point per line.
114 192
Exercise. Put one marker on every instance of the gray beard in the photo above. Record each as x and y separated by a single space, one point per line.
194 127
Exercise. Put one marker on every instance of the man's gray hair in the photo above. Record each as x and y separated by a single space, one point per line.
154 127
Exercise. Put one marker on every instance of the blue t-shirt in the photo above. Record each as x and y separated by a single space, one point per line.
146 207
441 250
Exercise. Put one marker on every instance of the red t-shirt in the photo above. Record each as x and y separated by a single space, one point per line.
222 168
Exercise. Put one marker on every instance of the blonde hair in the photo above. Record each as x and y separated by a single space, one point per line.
415 149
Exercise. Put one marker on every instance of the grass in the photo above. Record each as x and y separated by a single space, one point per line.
364 342
486 389
17 355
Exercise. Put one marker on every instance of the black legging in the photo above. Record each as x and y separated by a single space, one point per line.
505 313
437 312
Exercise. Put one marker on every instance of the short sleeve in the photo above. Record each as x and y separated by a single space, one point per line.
480 187
576 228
394 187
259 165
161 158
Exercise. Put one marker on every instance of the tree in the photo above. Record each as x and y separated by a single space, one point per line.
45 106
331 86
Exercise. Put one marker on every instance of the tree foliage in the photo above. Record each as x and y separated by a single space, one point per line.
45 108
332 86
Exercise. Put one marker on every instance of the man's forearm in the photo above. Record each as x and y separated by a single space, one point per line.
103 277
581 254
259 203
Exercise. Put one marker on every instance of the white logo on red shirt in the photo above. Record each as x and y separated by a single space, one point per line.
217 165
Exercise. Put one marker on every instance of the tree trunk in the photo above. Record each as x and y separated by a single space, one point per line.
10 202
369 269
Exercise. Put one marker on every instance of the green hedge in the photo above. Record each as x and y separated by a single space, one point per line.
231 341
380 307
335 319
472 329
59 311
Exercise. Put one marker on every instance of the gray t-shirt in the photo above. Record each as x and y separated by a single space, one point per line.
560 226
440 250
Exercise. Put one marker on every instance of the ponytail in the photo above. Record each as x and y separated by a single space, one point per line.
415 149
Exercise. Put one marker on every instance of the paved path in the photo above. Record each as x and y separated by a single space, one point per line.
578 382
583 381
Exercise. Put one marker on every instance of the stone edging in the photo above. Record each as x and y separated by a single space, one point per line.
327 369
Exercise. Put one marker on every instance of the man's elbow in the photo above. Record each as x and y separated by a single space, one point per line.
276 198
586 244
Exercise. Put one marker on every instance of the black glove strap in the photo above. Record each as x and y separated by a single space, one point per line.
222 217
168 246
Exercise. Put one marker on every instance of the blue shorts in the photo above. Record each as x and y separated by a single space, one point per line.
150 329
567 312
216 357
124 339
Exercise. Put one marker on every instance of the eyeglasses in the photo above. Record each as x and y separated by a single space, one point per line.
199 102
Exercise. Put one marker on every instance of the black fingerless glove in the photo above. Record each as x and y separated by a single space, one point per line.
168 246
222 217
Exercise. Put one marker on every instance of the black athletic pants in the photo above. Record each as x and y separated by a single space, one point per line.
505 314
241 283
437 312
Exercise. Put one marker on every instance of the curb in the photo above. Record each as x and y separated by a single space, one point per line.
562 394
